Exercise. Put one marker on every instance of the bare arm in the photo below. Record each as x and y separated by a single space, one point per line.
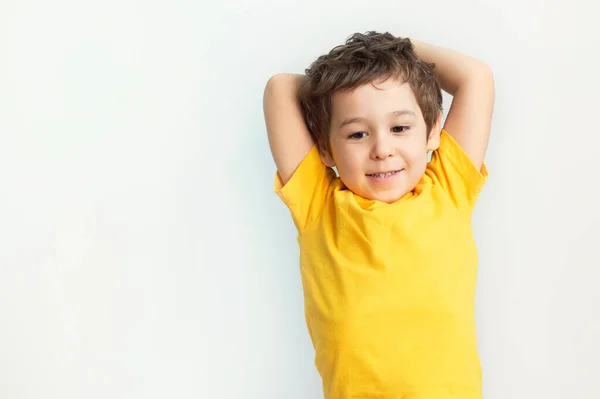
471 83
289 138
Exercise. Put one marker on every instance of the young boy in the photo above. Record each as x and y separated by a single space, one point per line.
387 256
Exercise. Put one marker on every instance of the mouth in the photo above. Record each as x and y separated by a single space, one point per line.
384 175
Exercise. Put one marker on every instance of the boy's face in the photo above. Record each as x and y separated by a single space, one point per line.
379 130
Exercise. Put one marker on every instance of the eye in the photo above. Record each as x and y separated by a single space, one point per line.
396 129
356 135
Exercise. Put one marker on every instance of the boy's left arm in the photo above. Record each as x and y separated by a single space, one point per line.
471 83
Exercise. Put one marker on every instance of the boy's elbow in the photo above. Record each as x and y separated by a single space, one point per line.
272 80
480 75
483 71
288 80
277 79
273 85
270 83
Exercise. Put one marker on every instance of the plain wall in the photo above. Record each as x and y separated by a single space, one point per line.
144 254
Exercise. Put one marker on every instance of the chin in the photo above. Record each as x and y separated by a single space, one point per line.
387 197
390 195
390 199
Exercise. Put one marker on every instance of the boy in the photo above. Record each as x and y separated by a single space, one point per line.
387 256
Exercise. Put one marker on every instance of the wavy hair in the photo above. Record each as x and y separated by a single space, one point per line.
365 58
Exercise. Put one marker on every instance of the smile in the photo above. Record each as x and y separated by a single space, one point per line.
383 175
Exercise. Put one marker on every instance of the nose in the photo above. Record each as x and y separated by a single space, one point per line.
382 147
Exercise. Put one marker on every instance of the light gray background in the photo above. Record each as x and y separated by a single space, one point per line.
143 253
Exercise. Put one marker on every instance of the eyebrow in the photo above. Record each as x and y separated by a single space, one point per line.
357 119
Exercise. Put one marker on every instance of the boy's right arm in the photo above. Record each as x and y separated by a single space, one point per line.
289 138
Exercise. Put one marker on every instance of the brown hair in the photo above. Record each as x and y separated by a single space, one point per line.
365 58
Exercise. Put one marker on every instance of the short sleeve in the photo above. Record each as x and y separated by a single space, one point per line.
307 191
452 169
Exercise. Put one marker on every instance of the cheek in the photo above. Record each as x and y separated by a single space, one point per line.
349 164
415 152
417 155
416 159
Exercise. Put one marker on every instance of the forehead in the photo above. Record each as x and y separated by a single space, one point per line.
374 99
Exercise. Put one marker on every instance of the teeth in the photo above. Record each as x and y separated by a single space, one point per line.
382 175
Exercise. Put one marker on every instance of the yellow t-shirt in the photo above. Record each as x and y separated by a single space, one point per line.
389 288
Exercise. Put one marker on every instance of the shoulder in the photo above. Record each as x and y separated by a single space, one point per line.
454 172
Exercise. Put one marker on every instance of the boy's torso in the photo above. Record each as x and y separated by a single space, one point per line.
389 297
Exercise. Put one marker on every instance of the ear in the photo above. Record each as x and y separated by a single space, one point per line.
326 159
433 141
